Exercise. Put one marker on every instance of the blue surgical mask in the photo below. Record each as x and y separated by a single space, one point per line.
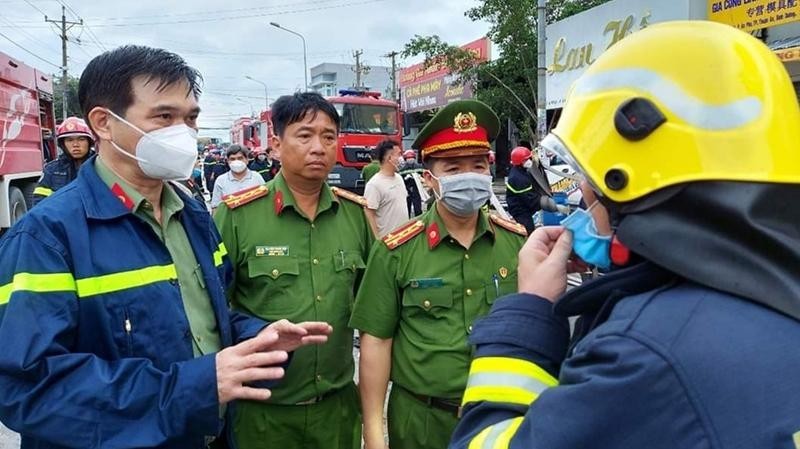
587 244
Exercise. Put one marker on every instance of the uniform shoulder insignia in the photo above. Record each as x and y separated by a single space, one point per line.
348 195
403 234
509 225
245 196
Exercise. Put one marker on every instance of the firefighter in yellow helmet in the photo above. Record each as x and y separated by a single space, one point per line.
687 134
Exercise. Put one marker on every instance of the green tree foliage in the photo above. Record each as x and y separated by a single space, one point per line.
73 107
508 83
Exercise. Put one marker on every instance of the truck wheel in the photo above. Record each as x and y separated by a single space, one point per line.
16 203
27 192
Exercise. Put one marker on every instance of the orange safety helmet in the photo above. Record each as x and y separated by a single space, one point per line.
74 126
519 155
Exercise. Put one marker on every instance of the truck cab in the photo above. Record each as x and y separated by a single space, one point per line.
366 120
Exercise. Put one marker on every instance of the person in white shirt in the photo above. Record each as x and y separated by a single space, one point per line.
386 192
238 178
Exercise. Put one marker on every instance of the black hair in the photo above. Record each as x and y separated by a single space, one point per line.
236 149
290 109
382 149
107 80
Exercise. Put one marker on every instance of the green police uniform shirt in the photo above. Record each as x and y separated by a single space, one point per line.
425 290
287 266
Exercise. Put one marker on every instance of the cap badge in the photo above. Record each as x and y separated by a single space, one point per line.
465 122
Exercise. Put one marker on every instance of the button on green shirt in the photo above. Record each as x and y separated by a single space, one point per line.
427 292
196 302
288 266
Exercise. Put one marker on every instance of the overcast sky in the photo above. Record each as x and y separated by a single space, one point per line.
227 40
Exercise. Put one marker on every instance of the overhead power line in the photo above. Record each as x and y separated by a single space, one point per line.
235 17
29 52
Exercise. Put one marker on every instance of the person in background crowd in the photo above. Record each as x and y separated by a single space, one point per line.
522 194
260 163
216 168
371 169
386 192
298 249
238 178
428 281
411 170
75 140
115 328
703 250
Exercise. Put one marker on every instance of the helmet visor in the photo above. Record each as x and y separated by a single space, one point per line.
554 144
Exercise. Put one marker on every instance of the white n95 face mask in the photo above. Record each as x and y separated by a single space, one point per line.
167 153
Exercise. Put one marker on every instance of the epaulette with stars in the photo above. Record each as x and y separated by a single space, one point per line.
348 195
509 225
245 196
403 234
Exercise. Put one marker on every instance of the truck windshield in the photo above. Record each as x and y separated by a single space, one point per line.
367 119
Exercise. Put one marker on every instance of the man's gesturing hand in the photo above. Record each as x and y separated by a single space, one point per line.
291 336
543 263
255 359
248 362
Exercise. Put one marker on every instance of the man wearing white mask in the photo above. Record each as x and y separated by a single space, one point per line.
238 178
428 281
115 327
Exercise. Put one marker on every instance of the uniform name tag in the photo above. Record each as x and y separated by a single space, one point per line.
272 251
426 283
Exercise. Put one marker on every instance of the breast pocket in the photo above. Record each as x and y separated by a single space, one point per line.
272 279
498 287
427 313
348 262
275 271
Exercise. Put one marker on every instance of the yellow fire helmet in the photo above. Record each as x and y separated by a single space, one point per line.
681 102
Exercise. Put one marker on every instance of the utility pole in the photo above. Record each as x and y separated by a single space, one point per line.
64 28
357 54
359 69
541 69
393 55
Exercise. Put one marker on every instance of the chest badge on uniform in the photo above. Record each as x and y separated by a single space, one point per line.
503 272
272 251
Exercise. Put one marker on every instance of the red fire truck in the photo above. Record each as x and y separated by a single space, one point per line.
27 139
366 120
246 132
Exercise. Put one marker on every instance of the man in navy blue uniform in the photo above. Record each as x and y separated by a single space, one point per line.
115 328
691 340
75 141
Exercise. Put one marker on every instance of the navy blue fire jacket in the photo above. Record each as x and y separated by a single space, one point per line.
679 366
96 346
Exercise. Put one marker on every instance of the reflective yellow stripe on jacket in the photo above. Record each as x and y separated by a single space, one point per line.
513 190
497 436
219 254
43 191
86 287
507 380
